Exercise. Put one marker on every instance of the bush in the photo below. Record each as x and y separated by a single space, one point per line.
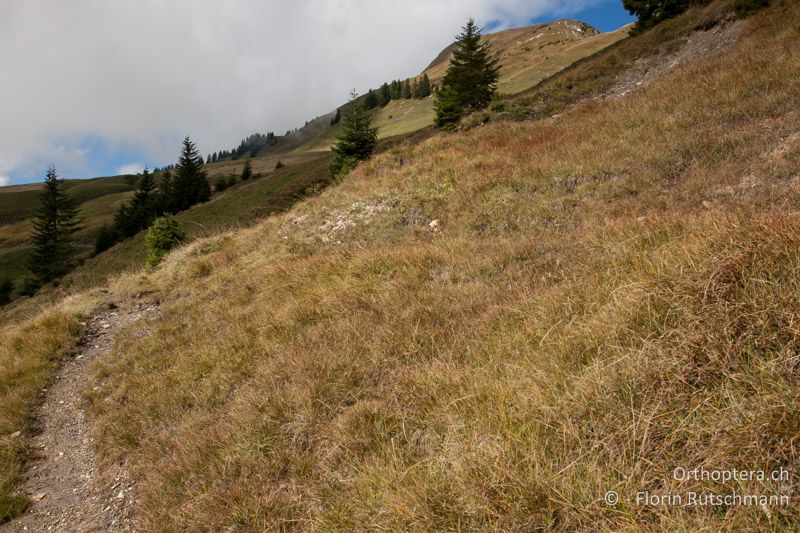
164 235
279 165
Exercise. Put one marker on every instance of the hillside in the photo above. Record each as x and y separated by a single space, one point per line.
489 330
524 64
527 56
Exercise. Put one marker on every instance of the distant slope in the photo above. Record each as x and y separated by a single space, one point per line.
527 56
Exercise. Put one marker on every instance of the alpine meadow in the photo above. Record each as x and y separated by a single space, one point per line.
549 282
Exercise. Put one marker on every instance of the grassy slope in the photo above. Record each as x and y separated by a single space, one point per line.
611 294
528 55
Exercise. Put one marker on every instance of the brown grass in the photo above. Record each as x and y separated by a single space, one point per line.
607 296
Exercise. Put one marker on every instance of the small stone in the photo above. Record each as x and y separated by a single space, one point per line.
38 497
121 494
434 225
16 434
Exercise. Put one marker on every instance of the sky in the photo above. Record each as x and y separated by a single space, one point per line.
105 87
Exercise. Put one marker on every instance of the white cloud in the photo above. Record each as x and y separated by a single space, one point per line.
130 168
146 73
4 180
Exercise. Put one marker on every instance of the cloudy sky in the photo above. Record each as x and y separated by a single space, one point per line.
100 87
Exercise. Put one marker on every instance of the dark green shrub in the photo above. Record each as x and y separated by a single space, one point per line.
164 235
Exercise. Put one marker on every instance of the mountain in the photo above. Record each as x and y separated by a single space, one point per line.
581 315
527 55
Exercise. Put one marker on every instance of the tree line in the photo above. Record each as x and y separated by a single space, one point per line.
469 84
172 194
250 146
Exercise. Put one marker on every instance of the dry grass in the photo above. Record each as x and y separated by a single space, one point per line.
29 354
607 296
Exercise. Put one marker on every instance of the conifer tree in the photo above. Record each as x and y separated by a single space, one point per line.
166 192
54 223
144 207
371 100
357 140
425 86
471 78
386 95
406 89
247 171
190 185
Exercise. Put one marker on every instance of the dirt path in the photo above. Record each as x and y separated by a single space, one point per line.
67 490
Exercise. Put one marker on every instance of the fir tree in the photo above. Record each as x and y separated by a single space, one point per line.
406 94
142 210
471 78
55 221
166 192
425 86
190 185
371 100
386 95
247 171
357 141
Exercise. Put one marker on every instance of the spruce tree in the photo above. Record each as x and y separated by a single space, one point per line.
247 171
371 100
407 89
425 86
143 208
386 95
166 192
190 185
471 78
357 141
54 223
